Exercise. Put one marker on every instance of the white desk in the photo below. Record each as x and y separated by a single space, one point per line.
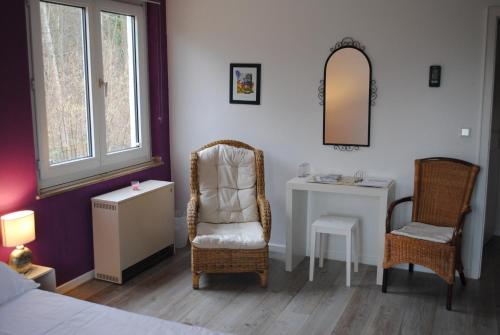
297 222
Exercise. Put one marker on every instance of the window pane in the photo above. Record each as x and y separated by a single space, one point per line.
65 75
118 55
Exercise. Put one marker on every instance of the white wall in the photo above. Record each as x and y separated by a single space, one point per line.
291 39
493 203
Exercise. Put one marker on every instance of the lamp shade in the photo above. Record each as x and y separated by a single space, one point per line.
18 228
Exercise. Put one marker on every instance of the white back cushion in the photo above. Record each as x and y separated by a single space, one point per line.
227 185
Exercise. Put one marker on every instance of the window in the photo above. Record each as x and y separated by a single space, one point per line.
90 87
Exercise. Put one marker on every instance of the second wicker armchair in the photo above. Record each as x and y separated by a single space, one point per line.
441 200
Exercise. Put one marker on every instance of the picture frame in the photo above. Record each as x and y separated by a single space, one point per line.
244 83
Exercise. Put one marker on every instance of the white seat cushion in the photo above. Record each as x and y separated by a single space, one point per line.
247 235
227 182
423 231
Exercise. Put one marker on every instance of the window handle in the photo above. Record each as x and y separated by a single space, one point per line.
105 84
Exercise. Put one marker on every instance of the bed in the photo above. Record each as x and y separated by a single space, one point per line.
29 310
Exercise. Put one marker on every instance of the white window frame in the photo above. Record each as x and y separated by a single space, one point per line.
99 161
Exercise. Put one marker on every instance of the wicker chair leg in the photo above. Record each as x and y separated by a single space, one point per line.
462 278
460 268
449 296
410 267
263 278
196 280
384 280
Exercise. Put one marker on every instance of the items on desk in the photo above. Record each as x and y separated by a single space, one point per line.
359 176
374 182
304 170
325 178
357 180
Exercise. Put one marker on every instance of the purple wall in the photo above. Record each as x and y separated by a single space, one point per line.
63 222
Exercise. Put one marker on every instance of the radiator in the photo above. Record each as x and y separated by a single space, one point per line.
132 229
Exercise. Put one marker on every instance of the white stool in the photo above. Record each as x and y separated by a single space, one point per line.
336 225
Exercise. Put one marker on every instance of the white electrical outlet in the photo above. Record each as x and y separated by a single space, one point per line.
465 132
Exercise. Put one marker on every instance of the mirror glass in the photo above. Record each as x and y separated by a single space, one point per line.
346 115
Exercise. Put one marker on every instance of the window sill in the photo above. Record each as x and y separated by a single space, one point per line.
67 187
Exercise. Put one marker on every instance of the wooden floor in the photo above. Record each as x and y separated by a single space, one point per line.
414 304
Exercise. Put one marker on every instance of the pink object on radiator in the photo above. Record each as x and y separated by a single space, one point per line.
135 185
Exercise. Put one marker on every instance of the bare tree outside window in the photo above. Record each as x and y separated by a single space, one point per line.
90 87
65 61
66 91
118 54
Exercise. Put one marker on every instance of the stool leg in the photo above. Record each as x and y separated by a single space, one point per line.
312 254
348 259
322 248
357 248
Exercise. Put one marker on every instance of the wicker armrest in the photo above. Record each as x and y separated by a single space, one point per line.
457 232
192 216
391 209
265 216
464 212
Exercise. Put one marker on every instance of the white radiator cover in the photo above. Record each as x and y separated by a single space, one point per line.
129 226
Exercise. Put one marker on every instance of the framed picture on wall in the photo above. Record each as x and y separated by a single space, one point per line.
244 84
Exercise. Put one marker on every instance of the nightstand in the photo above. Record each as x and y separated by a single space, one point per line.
43 275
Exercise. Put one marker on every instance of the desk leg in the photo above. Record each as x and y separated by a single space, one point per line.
384 204
296 227
381 238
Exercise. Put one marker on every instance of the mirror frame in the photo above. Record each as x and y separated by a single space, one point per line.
352 44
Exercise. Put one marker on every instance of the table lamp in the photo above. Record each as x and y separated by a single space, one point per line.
18 228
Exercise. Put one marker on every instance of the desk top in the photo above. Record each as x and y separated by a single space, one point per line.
299 183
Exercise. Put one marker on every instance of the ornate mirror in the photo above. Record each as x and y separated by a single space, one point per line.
348 94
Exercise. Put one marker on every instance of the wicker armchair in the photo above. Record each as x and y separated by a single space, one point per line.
442 193
226 260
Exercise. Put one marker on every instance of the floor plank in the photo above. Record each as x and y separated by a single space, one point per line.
327 313
298 309
235 303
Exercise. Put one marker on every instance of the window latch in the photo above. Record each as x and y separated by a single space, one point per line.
105 84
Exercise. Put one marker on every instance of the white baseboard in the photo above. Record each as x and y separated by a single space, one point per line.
279 248
74 283
277 251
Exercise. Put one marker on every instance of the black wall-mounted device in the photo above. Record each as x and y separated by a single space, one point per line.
435 76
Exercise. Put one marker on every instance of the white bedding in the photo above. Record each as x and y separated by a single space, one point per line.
41 312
